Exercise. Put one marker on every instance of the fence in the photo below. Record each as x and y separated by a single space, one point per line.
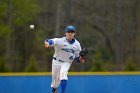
78 82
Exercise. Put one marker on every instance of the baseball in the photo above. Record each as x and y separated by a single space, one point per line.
31 26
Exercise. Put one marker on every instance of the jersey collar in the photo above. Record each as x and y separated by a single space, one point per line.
72 41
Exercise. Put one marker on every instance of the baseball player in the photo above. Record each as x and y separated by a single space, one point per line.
66 49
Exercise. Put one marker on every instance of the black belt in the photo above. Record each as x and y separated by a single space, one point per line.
58 59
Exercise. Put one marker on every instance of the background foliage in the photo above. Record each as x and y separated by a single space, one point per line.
108 29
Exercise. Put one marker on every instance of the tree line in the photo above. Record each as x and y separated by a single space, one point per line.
108 29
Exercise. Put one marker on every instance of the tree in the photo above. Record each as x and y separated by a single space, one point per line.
130 65
98 62
15 15
3 67
32 66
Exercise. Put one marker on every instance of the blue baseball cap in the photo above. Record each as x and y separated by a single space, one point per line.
70 28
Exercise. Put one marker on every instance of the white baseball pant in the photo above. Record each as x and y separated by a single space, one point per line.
59 72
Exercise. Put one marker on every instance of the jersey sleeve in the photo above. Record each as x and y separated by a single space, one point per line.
78 50
52 42
77 54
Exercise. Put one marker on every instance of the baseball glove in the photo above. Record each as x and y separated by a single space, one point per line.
83 54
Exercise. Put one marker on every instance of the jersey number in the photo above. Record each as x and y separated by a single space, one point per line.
71 58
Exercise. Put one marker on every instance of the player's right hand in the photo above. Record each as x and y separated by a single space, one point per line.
46 44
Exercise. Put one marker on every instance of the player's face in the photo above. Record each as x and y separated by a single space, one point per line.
70 35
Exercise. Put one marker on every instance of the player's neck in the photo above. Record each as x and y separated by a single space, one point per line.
69 39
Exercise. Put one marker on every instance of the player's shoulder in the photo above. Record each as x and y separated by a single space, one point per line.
77 42
57 38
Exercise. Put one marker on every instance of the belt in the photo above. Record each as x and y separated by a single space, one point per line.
58 59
